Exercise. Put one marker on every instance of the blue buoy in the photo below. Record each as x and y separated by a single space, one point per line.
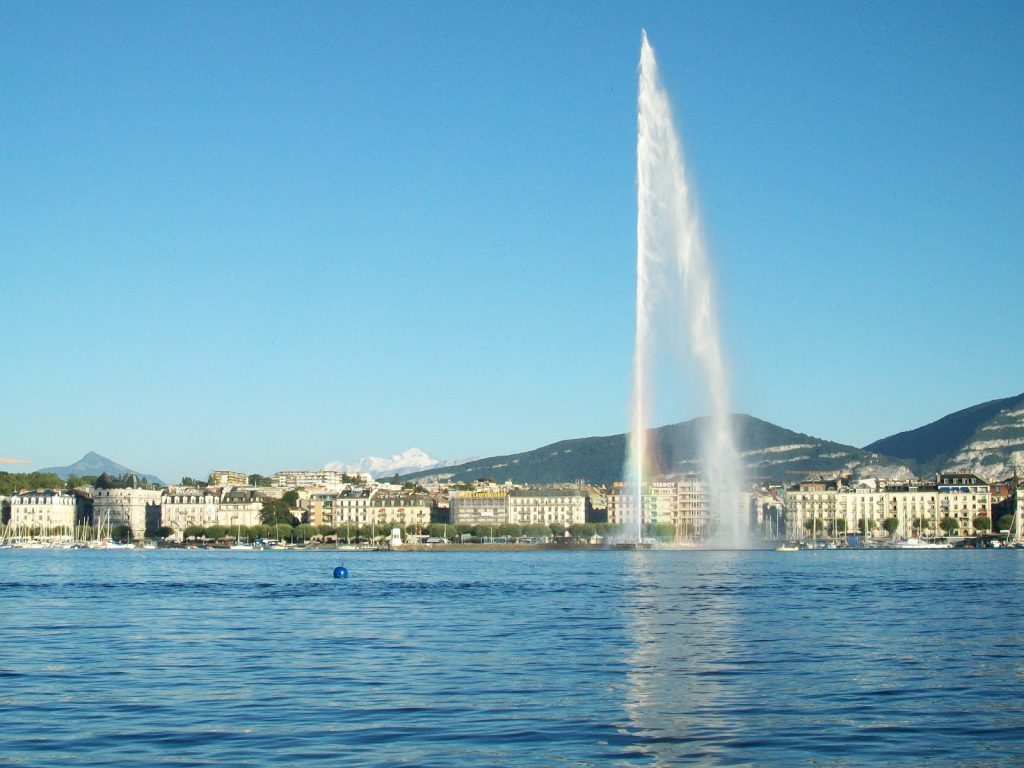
341 572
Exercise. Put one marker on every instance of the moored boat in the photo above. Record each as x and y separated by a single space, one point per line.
915 543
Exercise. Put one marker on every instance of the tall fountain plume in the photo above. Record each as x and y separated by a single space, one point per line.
674 279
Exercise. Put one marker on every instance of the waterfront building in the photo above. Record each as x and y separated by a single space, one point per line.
341 508
963 496
402 509
327 478
681 503
240 506
369 506
46 512
832 508
225 478
810 506
863 510
621 504
183 507
566 507
129 505
479 507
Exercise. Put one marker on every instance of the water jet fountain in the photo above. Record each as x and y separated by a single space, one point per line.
674 279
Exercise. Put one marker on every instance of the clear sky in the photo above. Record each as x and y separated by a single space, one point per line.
265 236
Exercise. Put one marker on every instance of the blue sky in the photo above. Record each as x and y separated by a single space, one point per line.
268 236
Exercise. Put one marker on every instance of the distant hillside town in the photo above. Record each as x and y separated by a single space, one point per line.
327 506
954 479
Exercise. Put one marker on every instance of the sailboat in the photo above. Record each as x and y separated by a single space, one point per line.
103 540
7 537
238 545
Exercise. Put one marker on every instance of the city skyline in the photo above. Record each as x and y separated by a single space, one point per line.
280 236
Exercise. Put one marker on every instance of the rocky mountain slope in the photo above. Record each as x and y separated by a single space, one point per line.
986 439
768 451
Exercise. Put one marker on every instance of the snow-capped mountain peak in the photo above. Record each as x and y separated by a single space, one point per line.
411 460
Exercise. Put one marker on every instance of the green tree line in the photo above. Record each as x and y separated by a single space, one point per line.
294 532
16 482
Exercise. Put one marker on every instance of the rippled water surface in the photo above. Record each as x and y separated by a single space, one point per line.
515 659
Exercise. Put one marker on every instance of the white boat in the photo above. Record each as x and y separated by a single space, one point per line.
111 544
914 543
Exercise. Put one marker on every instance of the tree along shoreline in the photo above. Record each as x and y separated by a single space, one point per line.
440 533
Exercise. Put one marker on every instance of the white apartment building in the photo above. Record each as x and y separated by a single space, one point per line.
809 501
369 507
621 504
50 513
183 507
240 506
125 506
189 506
527 506
681 503
918 507
345 508
226 478
323 478
864 509
478 507
402 509
963 496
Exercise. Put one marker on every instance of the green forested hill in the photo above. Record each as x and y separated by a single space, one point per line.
769 451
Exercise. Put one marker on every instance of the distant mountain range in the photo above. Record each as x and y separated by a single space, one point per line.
412 460
94 464
986 439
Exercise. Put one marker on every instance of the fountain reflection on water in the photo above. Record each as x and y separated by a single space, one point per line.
673 285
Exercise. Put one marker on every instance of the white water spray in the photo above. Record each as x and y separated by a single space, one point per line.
673 277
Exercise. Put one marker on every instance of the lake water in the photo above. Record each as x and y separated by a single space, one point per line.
197 658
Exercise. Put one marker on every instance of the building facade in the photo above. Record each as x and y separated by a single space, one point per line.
529 506
964 497
183 507
370 507
478 507
226 478
834 509
340 508
125 506
240 506
313 478
186 507
403 509
45 513
681 503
